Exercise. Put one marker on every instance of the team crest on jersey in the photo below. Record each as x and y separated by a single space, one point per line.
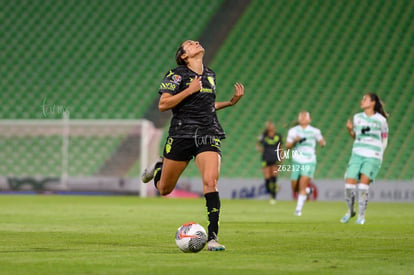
211 80
176 78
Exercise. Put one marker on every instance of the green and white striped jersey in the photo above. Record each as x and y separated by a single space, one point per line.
304 150
369 132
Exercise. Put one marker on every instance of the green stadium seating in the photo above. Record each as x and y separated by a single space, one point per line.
104 59
319 56
98 59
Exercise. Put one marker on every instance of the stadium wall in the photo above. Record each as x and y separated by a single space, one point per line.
324 190
86 185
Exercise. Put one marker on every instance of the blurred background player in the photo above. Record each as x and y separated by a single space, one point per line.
189 91
270 144
369 129
302 140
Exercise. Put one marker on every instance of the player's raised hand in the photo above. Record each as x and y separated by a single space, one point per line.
349 125
297 139
195 85
238 93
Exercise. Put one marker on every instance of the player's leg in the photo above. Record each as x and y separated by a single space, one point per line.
303 183
150 171
295 186
266 177
294 179
208 163
352 175
369 170
166 171
363 187
273 180
166 179
306 174
350 194
309 189
267 170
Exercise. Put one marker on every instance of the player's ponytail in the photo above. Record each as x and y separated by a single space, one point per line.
178 55
379 106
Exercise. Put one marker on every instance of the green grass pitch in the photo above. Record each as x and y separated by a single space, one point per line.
129 235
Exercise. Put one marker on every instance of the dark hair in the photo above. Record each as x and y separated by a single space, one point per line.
178 55
379 106
266 131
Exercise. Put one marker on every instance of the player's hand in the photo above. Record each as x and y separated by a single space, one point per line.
297 139
349 125
195 85
238 93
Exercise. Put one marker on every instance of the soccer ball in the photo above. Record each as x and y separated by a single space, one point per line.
191 237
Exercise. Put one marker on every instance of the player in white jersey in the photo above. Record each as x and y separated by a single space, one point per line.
302 140
369 130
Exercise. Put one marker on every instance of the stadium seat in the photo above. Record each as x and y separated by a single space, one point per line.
105 59
309 59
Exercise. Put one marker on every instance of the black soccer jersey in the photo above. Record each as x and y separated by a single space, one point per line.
271 145
195 116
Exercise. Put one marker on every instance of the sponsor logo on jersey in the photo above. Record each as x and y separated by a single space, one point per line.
206 90
168 145
176 78
211 80
168 86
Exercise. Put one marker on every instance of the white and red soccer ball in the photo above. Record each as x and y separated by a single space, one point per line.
191 237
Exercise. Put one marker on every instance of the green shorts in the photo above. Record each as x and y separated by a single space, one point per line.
358 165
302 169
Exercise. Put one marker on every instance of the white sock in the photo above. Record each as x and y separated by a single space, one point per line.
350 192
362 199
301 202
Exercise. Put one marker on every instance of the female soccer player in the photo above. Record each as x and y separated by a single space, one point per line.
189 91
302 140
270 144
369 130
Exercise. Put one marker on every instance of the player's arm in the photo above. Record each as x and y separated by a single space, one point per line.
279 151
238 93
320 138
292 143
259 145
292 139
350 128
169 101
384 136
384 142
322 142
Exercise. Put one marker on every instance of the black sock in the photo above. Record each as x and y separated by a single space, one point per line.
273 180
157 173
267 184
213 213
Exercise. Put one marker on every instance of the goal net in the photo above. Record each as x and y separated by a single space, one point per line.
64 155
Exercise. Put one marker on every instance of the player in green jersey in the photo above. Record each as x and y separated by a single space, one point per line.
302 139
369 130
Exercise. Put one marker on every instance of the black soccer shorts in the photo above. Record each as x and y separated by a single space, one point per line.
184 149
